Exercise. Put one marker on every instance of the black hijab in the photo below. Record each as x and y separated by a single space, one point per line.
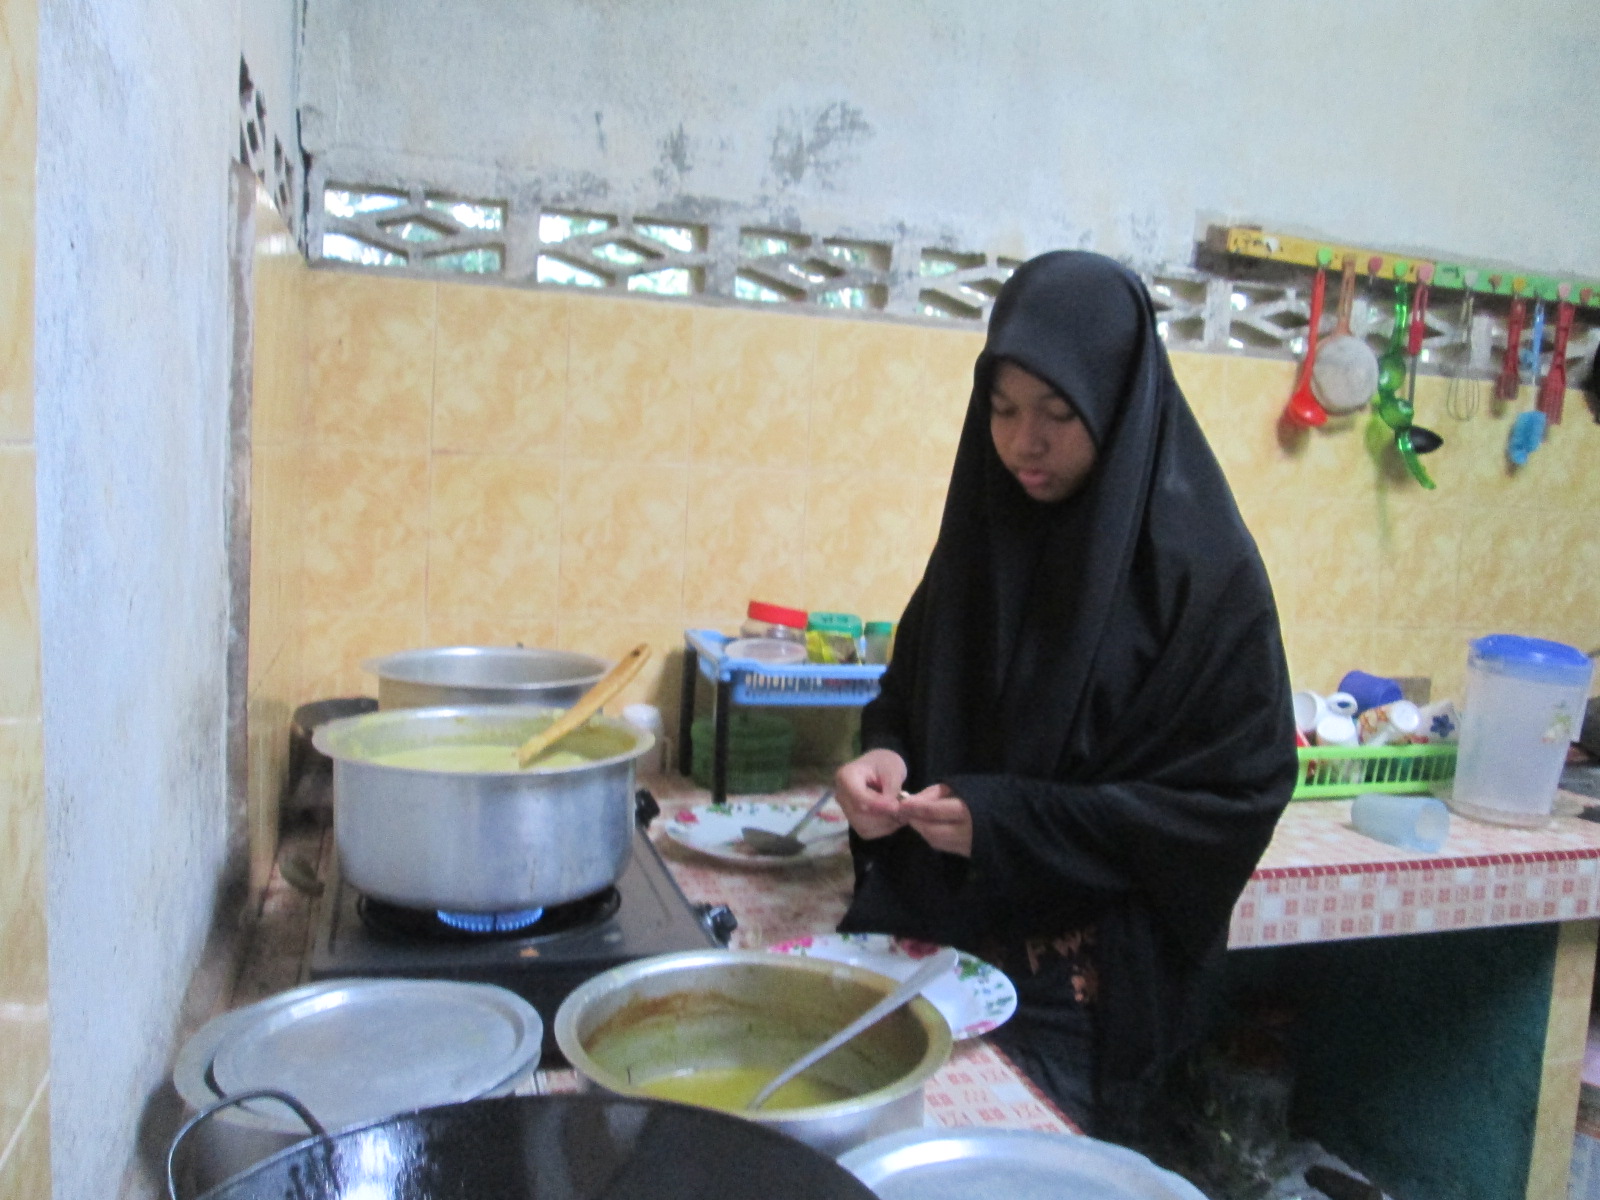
1101 679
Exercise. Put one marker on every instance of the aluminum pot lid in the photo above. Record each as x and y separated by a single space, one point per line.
1019 1164
370 1048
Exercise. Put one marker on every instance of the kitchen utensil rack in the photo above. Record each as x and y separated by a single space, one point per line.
1249 241
1327 772
747 681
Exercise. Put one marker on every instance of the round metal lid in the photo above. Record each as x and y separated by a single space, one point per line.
371 1048
918 1164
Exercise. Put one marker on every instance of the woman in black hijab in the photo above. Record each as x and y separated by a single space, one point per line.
1088 700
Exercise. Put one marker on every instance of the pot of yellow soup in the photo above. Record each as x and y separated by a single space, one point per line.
711 1027
430 809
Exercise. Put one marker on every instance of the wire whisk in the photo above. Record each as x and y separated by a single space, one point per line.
1462 393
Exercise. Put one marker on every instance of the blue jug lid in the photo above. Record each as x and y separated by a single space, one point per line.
1533 658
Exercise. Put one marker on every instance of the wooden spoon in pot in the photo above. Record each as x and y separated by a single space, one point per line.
612 682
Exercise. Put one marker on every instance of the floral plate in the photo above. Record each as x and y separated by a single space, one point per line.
715 830
975 999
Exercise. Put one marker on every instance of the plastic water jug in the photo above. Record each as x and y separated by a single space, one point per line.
1524 705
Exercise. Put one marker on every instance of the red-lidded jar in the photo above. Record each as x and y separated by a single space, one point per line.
774 621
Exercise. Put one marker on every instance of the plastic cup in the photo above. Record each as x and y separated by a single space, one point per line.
1419 823
1336 729
1343 703
1389 723
1370 691
1309 709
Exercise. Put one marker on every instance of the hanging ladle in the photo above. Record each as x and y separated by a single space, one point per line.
933 967
783 845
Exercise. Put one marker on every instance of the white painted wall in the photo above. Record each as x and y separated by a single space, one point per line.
1465 126
269 43
137 104
269 38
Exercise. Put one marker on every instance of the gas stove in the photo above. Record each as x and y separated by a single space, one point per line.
542 959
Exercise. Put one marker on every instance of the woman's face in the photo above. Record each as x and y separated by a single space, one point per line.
1038 435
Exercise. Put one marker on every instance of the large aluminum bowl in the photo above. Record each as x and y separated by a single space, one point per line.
480 841
452 676
751 1008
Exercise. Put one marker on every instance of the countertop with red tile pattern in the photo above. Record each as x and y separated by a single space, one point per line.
1320 880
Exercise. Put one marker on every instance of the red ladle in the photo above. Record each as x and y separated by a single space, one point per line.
1303 409
1553 392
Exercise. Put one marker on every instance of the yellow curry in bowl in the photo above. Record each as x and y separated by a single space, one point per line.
732 1088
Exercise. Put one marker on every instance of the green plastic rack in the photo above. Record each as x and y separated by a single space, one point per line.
1330 771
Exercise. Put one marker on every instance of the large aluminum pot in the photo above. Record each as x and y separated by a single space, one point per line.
710 1009
452 676
480 842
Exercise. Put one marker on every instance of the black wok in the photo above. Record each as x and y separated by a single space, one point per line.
572 1147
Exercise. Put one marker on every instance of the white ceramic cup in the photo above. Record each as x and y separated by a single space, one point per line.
1439 722
1309 709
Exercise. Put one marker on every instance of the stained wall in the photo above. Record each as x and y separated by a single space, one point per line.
133 352
1008 127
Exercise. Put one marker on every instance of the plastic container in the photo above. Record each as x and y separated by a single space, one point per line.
1369 690
834 638
774 621
1417 823
805 684
780 651
759 750
879 636
1524 705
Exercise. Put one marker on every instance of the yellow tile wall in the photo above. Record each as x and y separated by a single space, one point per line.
1372 571
24 1009
489 464
278 436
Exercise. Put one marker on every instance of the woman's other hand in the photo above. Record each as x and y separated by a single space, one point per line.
868 789
942 818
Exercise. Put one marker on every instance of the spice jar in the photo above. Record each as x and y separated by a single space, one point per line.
833 637
879 638
774 621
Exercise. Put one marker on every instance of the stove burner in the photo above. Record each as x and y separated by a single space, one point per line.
397 923
500 922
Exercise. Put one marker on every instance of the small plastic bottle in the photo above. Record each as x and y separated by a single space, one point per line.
879 640
774 621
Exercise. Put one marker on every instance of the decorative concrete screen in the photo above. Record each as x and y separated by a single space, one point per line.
420 231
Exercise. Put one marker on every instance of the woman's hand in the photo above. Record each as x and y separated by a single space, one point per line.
868 789
942 818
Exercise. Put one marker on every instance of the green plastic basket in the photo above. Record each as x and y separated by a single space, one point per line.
1329 771
759 750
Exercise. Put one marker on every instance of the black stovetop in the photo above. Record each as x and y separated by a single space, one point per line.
649 915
